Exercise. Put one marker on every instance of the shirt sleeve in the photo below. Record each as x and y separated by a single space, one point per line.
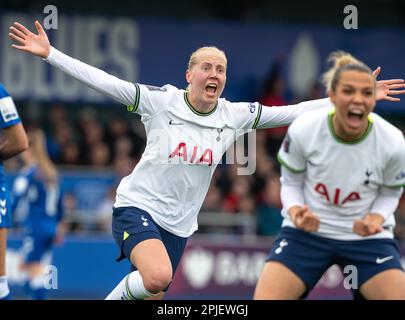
271 117
291 155
386 201
291 188
244 115
150 99
9 115
394 173
120 90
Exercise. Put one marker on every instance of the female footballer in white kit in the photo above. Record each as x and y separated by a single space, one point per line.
188 131
343 172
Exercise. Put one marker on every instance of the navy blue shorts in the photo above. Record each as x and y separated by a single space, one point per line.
5 207
309 255
131 225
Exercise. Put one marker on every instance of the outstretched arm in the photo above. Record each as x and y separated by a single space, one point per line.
282 116
271 117
38 45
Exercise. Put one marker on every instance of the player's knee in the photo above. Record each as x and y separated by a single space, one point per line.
158 279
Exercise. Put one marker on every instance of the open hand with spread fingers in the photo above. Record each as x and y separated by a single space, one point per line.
36 44
388 88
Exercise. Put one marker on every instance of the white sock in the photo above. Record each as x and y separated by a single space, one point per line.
130 288
4 290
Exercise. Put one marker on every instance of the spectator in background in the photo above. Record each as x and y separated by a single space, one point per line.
265 165
269 208
57 114
58 131
98 155
70 154
123 147
62 135
213 200
92 134
239 194
273 95
117 132
273 88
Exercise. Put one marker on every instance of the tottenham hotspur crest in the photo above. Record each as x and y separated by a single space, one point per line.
144 221
368 174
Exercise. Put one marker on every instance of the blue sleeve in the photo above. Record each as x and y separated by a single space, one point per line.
8 112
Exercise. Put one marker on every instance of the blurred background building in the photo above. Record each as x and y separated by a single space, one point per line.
276 53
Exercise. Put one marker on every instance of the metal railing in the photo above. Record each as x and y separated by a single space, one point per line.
209 222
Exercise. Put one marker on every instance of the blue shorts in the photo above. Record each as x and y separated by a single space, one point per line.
131 225
38 242
309 255
5 207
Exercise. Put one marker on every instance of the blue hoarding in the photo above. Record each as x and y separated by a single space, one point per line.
157 51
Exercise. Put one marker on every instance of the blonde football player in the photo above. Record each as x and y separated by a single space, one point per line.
343 171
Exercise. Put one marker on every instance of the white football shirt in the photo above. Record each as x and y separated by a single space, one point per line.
183 149
183 146
343 180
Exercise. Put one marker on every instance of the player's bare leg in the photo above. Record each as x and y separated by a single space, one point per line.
3 245
277 282
4 290
153 274
386 285
153 263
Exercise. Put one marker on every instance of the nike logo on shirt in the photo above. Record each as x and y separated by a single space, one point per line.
382 260
172 123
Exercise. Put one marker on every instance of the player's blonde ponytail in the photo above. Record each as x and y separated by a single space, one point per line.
341 61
